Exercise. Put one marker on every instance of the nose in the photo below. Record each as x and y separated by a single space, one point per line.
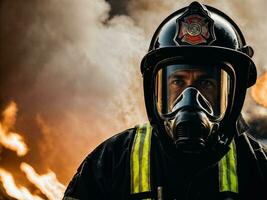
190 82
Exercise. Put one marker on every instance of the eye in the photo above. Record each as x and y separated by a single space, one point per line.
178 82
206 83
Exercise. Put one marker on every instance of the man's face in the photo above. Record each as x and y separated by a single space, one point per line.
202 80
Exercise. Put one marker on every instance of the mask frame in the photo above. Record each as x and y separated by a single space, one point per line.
226 67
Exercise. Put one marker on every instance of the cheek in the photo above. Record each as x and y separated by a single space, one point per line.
212 96
172 99
174 92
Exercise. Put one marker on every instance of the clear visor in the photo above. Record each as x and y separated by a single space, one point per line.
212 82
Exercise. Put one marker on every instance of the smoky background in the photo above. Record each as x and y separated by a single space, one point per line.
72 67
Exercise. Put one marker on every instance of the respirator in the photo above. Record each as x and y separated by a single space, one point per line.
191 99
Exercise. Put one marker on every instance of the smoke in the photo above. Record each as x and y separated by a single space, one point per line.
71 70
72 67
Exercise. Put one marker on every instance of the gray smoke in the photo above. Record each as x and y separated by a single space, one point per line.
72 67
72 71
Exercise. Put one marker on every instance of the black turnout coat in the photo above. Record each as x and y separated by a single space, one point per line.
105 173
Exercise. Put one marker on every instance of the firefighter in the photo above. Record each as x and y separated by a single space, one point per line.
196 145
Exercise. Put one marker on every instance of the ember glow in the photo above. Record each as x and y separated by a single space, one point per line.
259 91
47 183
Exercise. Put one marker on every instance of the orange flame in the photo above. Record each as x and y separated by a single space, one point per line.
10 140
13 190
47 183
259 90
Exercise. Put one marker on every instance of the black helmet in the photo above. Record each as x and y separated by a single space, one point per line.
198 35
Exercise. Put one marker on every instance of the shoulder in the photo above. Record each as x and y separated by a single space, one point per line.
259 148
97 171
244 134
256 152
114 145
255 146
110 153
251 149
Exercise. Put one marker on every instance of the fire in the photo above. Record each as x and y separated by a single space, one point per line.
14 191
47 183
8 139
259 91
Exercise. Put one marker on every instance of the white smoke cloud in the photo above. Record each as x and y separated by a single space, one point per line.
91 75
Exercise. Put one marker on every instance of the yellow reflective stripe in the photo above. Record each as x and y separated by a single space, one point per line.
140 160
222 175
135 162
233 168
228 180
146 160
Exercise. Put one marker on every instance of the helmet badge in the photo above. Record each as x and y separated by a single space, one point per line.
194 28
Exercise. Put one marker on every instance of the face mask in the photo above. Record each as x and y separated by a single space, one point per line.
191 99
191 123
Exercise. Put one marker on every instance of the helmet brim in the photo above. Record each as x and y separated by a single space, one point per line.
241 62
